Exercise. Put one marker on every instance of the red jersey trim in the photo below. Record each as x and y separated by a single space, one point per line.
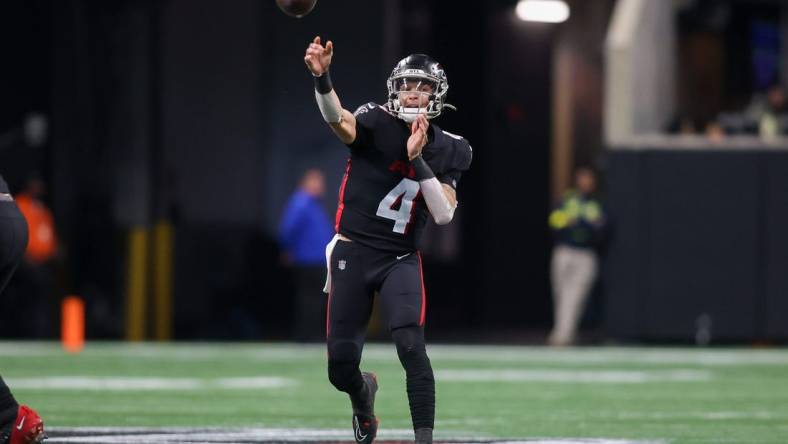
423 314
328 310
341 204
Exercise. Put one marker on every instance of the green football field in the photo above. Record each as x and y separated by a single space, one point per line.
263 392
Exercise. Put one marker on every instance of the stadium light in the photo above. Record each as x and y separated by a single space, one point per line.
546 11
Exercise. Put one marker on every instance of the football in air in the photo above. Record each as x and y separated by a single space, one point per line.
296 8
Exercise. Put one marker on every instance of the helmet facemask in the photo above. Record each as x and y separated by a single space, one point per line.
415 92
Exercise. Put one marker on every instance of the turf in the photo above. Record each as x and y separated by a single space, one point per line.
669 395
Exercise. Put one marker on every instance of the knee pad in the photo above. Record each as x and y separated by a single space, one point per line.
412 351
408 340
343 350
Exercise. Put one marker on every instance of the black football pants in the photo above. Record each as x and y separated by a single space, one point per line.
357 272
13 241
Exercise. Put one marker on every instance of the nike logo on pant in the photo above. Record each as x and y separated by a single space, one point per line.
359 436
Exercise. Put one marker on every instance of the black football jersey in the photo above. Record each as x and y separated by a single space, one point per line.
380 202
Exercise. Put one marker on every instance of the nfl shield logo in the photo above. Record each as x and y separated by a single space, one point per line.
341 264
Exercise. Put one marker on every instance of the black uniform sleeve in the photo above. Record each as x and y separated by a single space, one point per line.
366 117
461 160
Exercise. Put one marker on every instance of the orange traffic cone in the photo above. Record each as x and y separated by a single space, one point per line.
73 324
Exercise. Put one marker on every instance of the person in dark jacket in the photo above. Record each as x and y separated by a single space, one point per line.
578 225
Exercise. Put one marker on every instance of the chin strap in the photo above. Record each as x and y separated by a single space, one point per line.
411 114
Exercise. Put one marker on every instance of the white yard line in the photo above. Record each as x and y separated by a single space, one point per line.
262 435
705 415
572 376
185 351
130 383
149 384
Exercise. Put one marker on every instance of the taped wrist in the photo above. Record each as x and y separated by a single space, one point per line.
323 83
422 170
327 99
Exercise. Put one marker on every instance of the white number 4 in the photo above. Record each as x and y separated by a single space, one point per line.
405 191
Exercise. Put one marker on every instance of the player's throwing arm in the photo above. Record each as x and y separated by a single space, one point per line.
318 59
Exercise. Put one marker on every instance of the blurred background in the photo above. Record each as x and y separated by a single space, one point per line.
159 142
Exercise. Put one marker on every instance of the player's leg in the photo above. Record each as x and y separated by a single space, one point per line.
8 261
13 241
8 408
560 275
579 275
584 270
403 301
18 424
348 312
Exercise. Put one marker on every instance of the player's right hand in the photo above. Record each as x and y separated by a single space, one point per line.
317 57
418 136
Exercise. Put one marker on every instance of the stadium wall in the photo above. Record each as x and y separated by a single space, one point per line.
696 255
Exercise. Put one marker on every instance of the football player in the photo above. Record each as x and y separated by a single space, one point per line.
19 424
401 170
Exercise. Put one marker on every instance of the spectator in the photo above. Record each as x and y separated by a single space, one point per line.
304 231
578 224
771 120
682 125
42 246
714 131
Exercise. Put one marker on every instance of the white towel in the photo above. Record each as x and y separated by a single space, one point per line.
329 250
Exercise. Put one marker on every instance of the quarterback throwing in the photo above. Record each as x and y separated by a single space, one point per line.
401 170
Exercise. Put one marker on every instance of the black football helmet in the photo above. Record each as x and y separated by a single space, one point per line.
420 69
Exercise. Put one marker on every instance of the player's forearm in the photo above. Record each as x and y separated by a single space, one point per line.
341 120
345 129
441 205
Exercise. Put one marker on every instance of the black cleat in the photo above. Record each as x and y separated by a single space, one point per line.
365 424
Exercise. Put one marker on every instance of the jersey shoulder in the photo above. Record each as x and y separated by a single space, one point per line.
458 150
373 121
369 114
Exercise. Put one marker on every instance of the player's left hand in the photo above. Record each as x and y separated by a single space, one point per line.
418 136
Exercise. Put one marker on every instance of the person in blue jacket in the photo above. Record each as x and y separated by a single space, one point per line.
304 231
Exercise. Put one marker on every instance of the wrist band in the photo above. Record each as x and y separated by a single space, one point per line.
423 171
323 83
